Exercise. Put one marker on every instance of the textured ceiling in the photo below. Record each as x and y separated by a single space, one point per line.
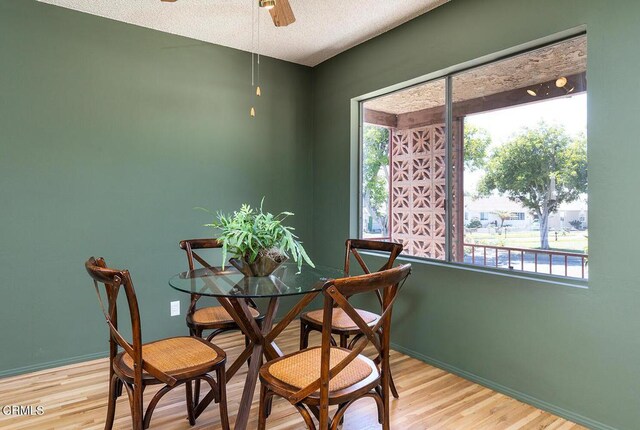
322 28
542 65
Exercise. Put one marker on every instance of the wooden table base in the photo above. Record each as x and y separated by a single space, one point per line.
261 345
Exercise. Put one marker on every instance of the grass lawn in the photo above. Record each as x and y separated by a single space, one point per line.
570 241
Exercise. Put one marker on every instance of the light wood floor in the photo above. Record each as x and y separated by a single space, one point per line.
74 397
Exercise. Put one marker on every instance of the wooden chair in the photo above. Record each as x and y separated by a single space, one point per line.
214 318
172 362
315 378
342 325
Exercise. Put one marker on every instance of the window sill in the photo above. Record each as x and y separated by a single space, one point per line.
528 276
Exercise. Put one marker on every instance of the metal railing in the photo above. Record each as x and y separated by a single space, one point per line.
531 260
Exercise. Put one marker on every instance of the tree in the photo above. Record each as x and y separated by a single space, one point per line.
375 172
504 216
525 169
474 224
476 142
576 223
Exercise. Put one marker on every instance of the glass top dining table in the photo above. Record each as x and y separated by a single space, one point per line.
286 280
234 292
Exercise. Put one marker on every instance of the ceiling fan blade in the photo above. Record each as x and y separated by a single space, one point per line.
282 14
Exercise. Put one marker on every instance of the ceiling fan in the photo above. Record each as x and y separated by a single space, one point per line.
280 11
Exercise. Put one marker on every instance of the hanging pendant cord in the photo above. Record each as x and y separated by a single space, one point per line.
253 42
258 48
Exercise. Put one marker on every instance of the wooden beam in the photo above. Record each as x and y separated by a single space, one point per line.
421 118
545 91
519 96
380 118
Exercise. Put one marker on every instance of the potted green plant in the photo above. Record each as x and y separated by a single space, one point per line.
258 241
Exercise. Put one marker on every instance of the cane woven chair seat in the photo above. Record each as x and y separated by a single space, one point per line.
341 320
171 362
341 324
302 368
216 314
314 379
174 356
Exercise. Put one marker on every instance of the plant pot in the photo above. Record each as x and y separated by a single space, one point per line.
264 265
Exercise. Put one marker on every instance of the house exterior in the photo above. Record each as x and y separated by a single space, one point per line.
486 211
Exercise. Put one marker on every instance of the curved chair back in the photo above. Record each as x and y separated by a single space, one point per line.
191 244
113 280
336 293
352 246
192 257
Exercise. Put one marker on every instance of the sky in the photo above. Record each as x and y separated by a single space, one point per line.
569 112
502 124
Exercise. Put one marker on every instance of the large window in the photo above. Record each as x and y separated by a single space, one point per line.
485 167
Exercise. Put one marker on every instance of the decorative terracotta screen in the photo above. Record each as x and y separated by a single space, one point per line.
418 190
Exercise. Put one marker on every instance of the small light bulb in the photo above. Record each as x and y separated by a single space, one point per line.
252 112
561 82
267 4
531 93
258 92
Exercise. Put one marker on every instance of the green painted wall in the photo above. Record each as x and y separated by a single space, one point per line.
571 350
109 135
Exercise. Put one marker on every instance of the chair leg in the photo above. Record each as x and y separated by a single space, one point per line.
333 341
188 389
269 405
386 424
196 383
154 402
196 391
304 335
338 418
222 397
262 412
392 385
376 396
378 360
213 334
118 388
111 406
385 397
305 416
344 340
247 341
137 412
342 406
